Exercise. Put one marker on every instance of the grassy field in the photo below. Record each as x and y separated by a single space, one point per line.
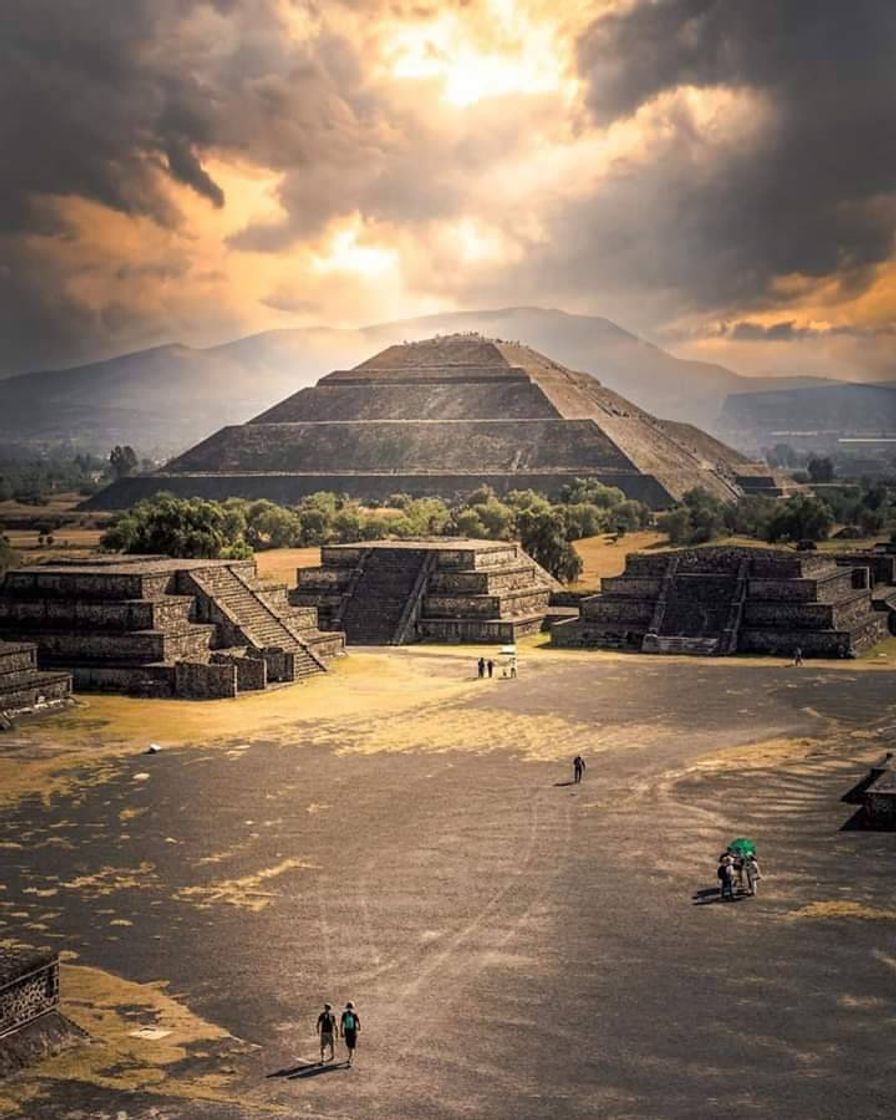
278 565
602 557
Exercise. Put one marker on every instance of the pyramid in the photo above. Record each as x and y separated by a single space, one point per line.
441 417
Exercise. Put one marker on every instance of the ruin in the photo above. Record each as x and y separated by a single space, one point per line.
879 794
439 590
719 600
24 688
441 417
153 626
31 1026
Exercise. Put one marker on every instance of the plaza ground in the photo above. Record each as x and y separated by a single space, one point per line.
403 835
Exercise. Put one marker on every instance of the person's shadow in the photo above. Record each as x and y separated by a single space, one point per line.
306 1069
708 896
569 783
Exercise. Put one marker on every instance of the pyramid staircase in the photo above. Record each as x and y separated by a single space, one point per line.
258 623
377 611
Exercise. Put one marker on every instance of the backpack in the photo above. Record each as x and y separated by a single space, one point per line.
722 872
348 1021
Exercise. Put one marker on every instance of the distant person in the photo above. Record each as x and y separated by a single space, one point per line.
798 656
490 665
480 664
513 666
351 1026
326 1028
751 869
578 769
725 873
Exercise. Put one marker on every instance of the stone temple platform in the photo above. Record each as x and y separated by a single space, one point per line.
25 689
730 600
153 626
438 590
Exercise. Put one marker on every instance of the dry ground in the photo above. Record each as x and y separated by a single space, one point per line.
402 834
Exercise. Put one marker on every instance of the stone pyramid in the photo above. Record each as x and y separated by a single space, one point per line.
442 416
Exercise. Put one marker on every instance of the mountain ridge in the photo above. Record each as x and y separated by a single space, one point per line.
166 397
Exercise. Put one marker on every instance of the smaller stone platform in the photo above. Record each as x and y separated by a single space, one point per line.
879 795
31 1026
25 689
437 590
721 600
156 626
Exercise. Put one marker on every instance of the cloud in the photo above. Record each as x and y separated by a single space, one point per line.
193 168
813 193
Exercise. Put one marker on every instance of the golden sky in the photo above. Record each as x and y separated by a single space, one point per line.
194 171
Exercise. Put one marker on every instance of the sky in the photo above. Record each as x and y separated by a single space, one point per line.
718 176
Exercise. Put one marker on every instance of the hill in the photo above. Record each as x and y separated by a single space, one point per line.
854 409
164 399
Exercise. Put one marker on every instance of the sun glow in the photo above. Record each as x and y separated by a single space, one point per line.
517 56
346 252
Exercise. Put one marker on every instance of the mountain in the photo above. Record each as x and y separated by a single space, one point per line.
839 409
167 398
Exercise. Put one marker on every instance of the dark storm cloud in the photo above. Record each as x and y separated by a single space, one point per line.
814 193
787 331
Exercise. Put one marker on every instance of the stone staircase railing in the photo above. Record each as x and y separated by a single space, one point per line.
283 622
411 611
246 611
349 590
728 640
649 643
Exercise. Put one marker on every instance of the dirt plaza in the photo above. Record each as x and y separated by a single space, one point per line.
404 835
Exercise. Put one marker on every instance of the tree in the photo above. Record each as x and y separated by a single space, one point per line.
820 468
591 491
271 526
123 461
699 518
184 527
676 524
543 536
801 517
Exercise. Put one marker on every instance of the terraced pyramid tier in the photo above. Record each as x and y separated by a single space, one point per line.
443 416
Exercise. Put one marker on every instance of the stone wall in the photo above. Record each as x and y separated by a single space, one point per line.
29 987
196 680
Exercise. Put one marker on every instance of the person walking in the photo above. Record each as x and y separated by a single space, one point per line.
751 868
328 1031
578 769
513 666
725 875
480 665
351 1027
490 665
798 656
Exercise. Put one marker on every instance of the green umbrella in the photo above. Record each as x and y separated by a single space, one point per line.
742 847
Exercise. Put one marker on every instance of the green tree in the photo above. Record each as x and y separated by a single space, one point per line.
821 469
123 461
801 517
183 527
543 536
584 519
271 526
593 492
676 524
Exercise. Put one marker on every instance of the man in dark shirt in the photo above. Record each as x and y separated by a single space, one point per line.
326 1028
578 768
